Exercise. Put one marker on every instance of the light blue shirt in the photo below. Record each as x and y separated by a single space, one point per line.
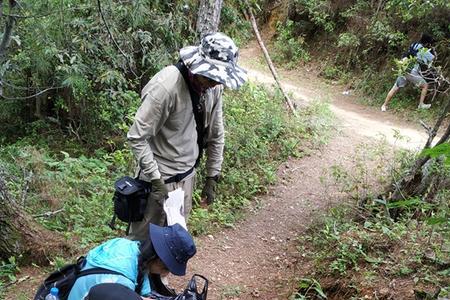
120 255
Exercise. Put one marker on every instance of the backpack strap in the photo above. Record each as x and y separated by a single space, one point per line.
94 271
198 111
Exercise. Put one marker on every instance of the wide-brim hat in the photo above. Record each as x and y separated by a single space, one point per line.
215 58
173 245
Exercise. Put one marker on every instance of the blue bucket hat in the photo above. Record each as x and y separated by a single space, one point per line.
174 246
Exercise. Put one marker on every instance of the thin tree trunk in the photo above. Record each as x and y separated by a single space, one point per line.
433 132
22 237
208 16
8 30
269 61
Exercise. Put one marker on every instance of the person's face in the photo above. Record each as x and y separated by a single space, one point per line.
203 83
158 267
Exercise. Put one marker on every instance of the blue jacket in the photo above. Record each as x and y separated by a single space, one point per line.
120 255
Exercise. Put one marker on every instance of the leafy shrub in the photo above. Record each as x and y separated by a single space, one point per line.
290 49
79 187
8 270
232 23
348 39
319 12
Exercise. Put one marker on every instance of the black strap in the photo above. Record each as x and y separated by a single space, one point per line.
158 286
198 112
94 271
179 177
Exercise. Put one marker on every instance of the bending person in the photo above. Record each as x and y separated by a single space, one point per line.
167 249
422 55
179 118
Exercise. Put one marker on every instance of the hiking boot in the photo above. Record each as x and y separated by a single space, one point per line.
424 106
383 107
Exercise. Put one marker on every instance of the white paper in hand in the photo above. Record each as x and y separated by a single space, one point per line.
174 208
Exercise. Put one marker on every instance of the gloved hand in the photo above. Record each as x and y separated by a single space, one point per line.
209 190
159 191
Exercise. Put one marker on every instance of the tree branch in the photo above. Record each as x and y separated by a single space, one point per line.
113 39
268 59
31 96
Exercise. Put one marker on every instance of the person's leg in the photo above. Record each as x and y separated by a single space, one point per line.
417 79
399 83
187 185
389 96
188 188
423 94
154 213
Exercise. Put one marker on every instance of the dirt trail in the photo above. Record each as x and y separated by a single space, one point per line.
258 259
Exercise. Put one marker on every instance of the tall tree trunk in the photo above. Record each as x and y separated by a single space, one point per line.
22 237
208 16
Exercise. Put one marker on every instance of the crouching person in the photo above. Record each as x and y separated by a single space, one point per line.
167 249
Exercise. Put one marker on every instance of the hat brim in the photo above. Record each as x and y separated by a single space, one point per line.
157 236
230 75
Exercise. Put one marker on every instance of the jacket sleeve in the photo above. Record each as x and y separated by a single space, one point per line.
146 289
215 137
149 119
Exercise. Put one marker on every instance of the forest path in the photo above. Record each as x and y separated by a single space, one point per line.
258 259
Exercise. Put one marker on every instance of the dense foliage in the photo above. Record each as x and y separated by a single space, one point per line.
87 62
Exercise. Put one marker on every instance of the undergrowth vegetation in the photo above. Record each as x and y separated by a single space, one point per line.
360 250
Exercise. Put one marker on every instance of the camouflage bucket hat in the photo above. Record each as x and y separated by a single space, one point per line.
215 58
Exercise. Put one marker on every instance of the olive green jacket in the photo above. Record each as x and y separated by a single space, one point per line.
163 136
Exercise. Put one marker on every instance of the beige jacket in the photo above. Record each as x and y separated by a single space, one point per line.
163 136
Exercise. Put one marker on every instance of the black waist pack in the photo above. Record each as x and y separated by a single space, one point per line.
130 199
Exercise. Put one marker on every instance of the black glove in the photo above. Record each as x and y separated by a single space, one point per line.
159 191
209 190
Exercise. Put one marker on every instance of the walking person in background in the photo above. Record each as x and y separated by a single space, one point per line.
180 115
418 59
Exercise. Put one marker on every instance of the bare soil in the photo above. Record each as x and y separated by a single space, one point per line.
258 258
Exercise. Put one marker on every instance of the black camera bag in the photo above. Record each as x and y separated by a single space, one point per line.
130 199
